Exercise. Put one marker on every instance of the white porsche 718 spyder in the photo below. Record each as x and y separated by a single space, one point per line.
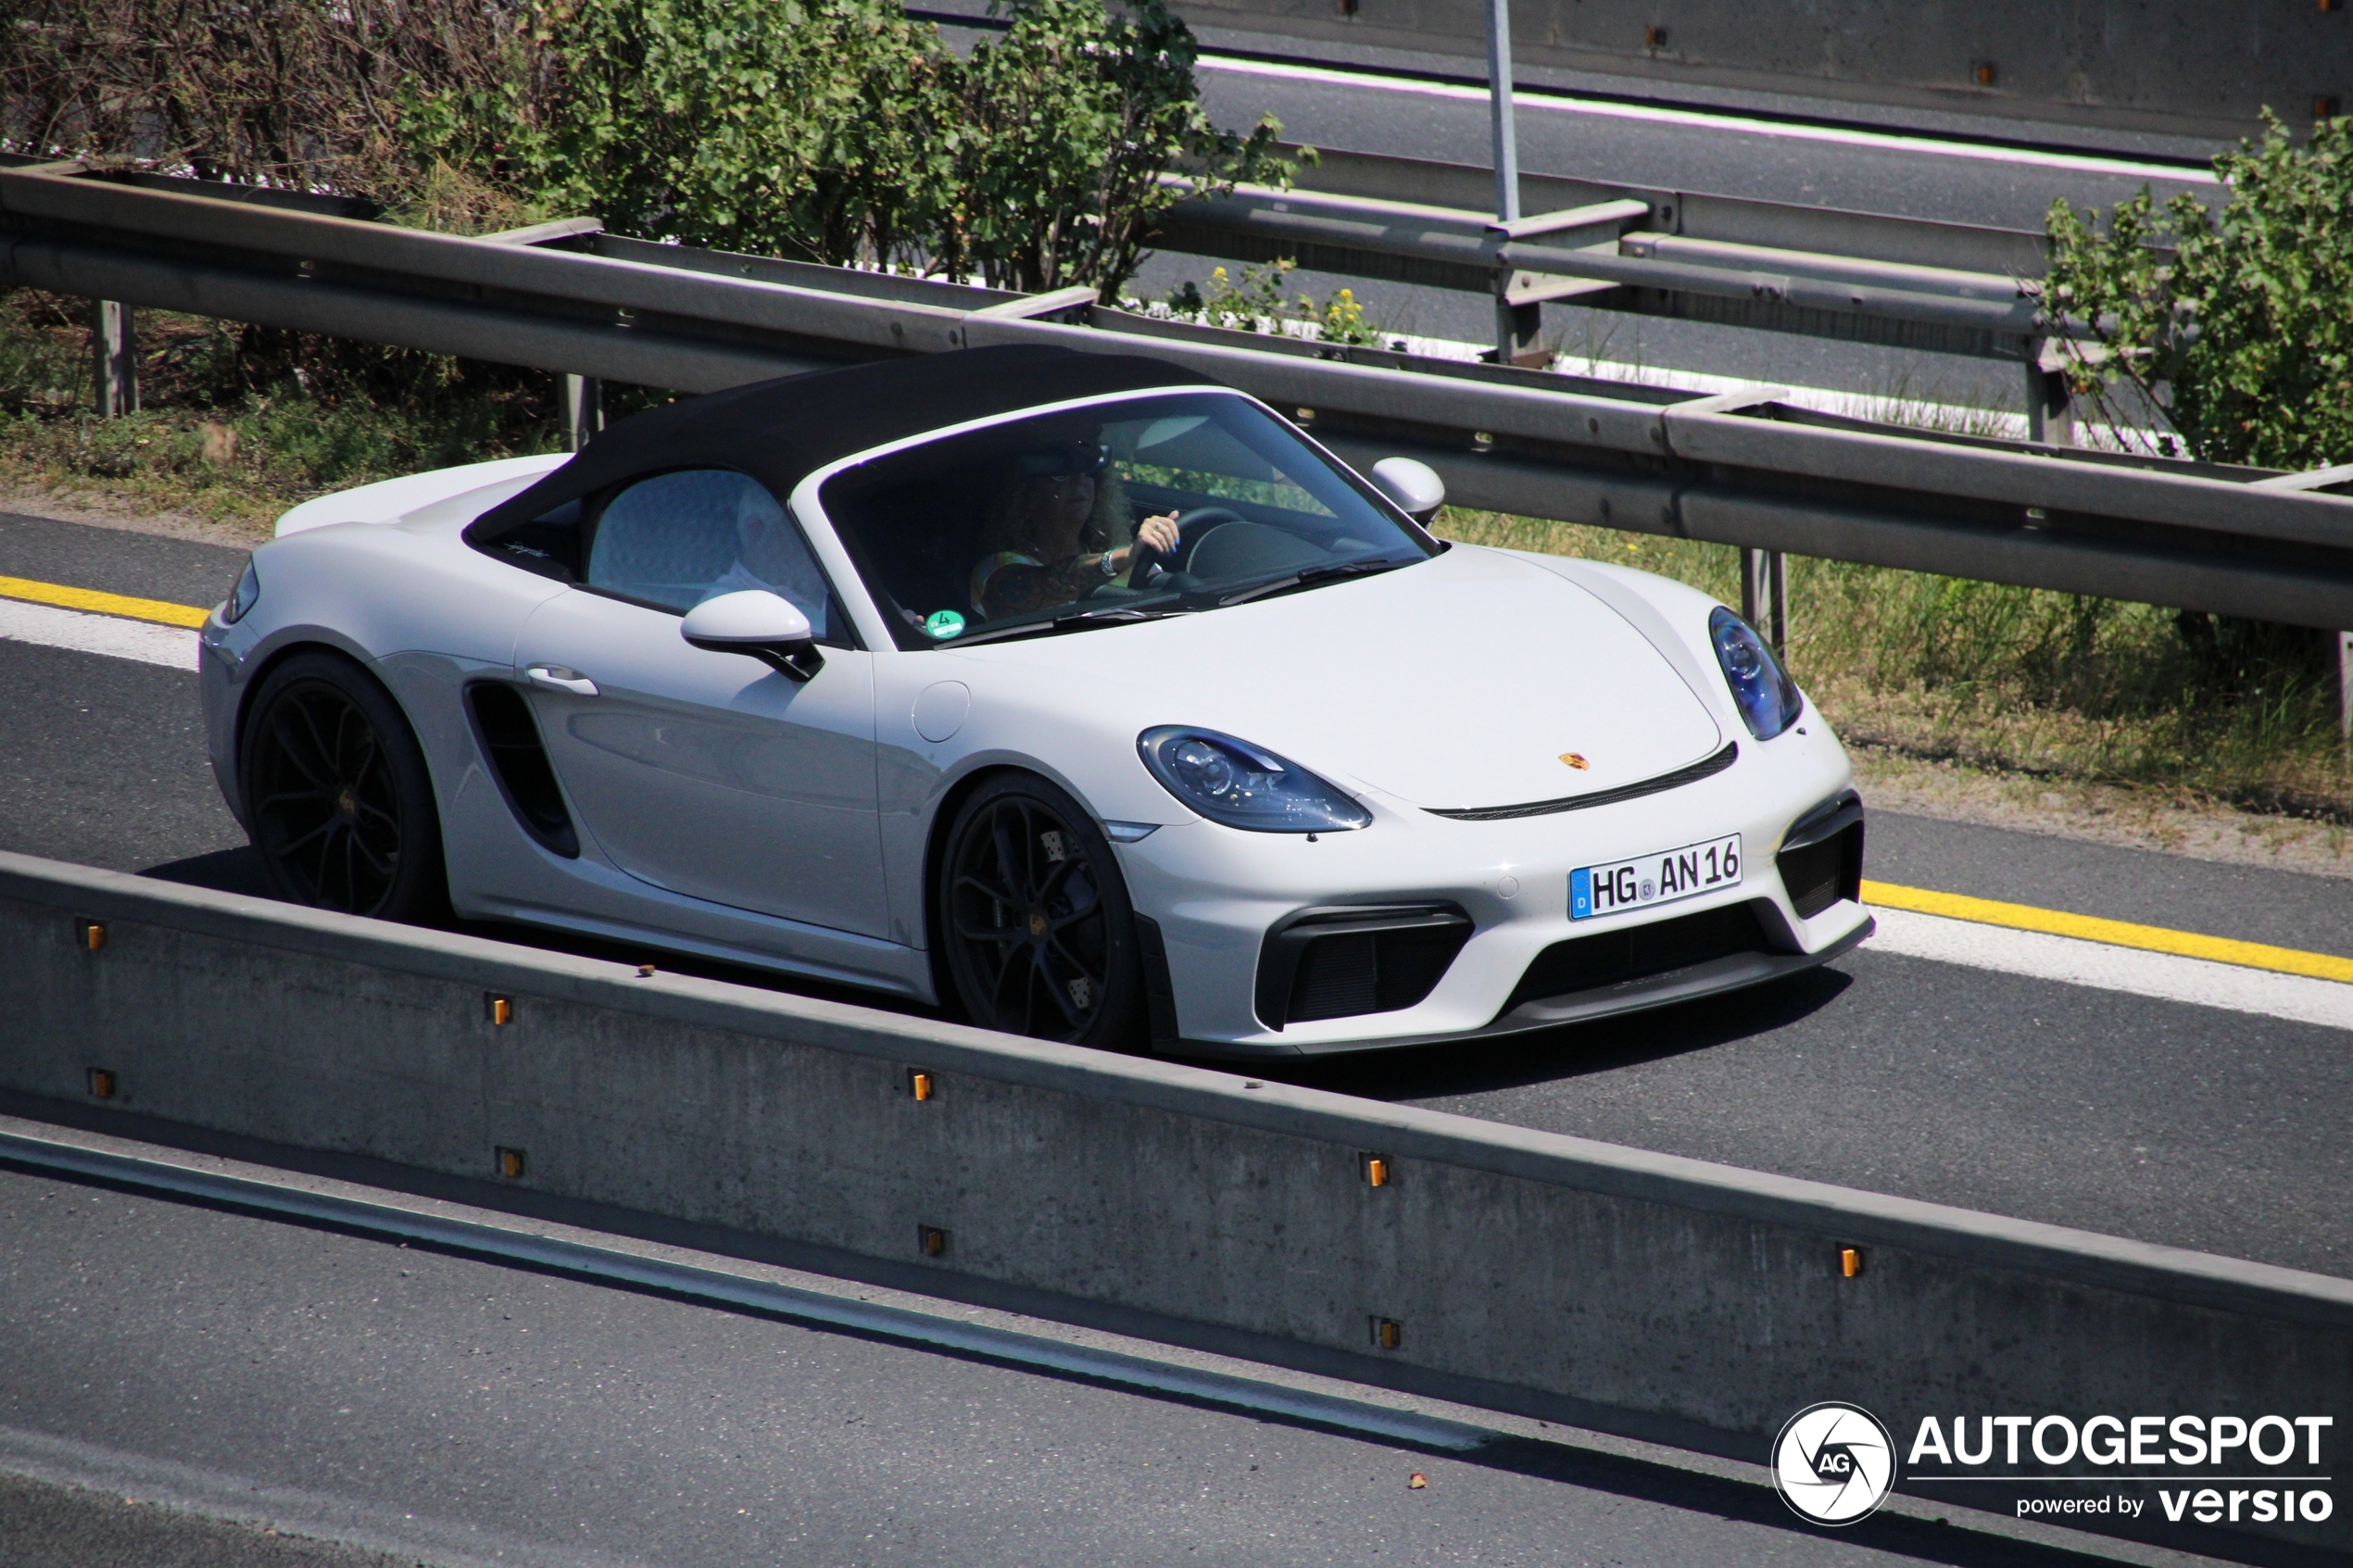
1066 691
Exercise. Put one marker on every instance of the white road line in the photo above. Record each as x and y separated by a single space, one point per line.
1560 103
2165 976
142 640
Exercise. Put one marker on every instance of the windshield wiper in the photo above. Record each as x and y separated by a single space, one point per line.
1078 621
1307 577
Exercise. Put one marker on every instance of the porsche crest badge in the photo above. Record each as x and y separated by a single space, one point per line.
1576 760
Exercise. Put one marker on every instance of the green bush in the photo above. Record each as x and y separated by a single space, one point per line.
2241 330
841 132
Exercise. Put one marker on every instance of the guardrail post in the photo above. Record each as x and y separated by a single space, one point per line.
2344 688
583 409
1763 596
2050 411
114 355
1516 327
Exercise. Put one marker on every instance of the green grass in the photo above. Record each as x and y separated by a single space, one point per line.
2019 680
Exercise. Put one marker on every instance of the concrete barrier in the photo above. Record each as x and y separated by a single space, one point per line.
1656 1297
2168 68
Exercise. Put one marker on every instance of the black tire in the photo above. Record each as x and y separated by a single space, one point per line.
337 799
1032 920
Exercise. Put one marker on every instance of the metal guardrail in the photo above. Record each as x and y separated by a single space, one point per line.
1858 277
1745 470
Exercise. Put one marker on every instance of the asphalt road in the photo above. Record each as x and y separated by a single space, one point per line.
218 1369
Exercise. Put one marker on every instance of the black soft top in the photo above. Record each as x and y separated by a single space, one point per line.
780 432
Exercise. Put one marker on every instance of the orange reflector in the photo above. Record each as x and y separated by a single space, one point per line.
511 1163
101 1083
93 935
932 1239
1849 1262
502 1011
1377 1169
919 1084
1388 1332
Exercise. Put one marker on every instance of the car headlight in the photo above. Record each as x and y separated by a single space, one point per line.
241 596
1235 783
1767 698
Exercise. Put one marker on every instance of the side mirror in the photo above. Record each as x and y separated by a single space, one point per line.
767 626
1416 487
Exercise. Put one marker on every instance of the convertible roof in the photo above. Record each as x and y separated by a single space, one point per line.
780 430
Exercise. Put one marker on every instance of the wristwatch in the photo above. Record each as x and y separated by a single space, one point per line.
1109 569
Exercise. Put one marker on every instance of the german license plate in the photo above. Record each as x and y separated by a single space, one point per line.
1660 878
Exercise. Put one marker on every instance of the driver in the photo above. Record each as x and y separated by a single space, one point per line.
1058 528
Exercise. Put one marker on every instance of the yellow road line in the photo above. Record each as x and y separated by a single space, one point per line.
104 604
2117 932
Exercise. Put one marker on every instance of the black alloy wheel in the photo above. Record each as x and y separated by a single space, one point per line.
337 799
1034 919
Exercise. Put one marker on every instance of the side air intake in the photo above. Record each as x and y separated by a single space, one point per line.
504 730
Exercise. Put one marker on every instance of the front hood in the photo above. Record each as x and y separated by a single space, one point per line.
1461 682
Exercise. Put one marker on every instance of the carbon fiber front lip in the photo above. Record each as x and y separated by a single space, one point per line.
1707 767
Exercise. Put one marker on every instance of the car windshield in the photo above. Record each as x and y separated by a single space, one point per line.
1098 516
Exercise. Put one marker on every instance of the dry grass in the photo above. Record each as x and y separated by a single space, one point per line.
2069 690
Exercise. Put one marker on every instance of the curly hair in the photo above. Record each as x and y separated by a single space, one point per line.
1009 524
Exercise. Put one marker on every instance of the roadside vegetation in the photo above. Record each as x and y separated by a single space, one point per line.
2236 327
237 423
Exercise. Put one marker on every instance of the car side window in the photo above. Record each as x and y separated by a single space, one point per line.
680 538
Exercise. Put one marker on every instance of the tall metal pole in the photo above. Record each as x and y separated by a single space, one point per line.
1508 321
1499 101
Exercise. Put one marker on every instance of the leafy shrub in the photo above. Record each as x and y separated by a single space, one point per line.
2242 329
833 130
841 132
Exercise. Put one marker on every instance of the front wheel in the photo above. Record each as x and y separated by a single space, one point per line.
1034 920
337 794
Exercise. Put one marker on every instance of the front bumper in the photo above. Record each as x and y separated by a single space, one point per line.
1215 894
1707 978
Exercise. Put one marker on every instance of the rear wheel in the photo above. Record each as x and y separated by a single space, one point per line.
337 794
1034 920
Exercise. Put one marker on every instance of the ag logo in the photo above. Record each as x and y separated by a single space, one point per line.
1834 1464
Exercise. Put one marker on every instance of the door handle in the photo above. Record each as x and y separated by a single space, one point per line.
560 678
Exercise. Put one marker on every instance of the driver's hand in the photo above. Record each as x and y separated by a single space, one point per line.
1158 534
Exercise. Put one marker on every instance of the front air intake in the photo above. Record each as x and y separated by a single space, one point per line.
1342 963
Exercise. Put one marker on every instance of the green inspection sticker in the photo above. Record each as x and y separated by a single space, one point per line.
944 624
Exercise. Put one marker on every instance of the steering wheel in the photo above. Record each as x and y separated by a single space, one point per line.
1145 556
